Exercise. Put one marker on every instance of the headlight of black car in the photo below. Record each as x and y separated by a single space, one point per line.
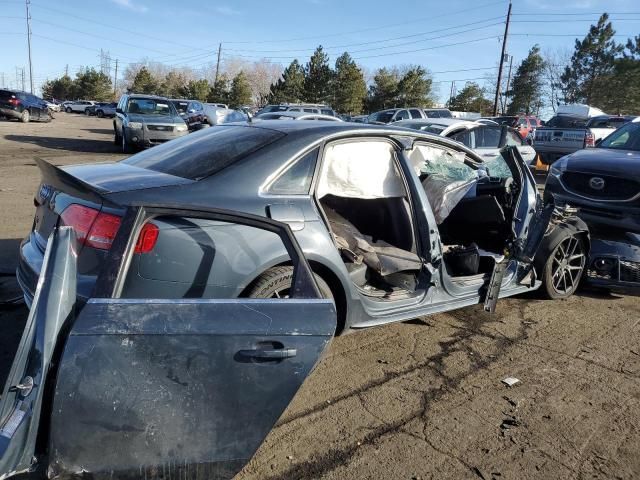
558 167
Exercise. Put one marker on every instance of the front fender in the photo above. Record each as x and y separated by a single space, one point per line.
568 227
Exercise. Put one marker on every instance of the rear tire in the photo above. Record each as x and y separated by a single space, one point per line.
276 283
564 268
99 114
24 118
68 110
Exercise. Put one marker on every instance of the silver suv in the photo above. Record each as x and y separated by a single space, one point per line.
146 120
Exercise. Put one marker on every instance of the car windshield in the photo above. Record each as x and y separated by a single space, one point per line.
204 153
566 121
383 117
181 107
150 106
626 137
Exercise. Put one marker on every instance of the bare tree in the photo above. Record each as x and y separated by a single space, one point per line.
555 62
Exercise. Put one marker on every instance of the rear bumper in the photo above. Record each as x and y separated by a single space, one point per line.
10 112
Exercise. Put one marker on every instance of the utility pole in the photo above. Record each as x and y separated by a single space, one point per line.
23 86
504 46
66 70
2 84
453 86
17 78
115 79
218 63
508 83
27 3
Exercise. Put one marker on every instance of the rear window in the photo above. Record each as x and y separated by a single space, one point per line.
204 153
565 121
6 94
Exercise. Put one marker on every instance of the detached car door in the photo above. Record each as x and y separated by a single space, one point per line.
150 387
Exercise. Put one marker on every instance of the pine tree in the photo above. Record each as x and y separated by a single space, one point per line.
60 88
290 87
623 87
471 99
526 88
593 61
144 82
349 86
383 93
240 93
318 77
93 85
219 92
414 88
197 89
174 84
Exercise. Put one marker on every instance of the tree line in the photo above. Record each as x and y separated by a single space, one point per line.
599 72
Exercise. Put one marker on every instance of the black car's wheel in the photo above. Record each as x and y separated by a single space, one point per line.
126 148
68 110
24 118
99 114
564 267
276 283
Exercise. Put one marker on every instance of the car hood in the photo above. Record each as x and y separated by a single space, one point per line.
155 118
605 161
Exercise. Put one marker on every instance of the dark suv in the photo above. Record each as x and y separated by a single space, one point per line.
23 106
191 111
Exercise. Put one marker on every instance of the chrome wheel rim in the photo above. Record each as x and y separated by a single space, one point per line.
567 265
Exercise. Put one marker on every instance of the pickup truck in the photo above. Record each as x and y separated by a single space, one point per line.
565 134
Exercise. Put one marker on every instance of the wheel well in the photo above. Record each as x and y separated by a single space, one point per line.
334 284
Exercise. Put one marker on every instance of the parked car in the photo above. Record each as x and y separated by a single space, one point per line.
23 106
566 132
394 115
603 183
172 274
106 110
146 120
53 106
298 107
78 106
296 115
437 113
603 125
524 124
191 111
486 140
216 115
91 110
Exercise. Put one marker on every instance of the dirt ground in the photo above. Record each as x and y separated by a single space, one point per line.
421 399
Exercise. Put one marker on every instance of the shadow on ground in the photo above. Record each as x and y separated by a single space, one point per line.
83 145
100 131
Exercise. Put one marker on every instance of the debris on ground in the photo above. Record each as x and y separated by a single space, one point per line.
510 381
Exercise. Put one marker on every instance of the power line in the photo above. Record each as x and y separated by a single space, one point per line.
493 37
465 10
538 14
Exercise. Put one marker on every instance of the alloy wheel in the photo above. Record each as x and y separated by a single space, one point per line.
568 263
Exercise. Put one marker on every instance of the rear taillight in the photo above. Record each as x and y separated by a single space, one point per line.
147 238
589 140
93 228
14 101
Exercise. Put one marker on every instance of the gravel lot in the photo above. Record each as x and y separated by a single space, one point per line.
421 399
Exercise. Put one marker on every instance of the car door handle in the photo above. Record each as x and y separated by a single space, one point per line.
269 354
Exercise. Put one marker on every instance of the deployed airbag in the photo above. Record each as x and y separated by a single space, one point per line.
444 194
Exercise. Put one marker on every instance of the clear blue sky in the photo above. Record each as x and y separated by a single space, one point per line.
376 32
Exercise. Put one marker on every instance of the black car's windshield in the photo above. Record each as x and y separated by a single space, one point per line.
204 153
626 137
565 121
383 117
150 106
181 107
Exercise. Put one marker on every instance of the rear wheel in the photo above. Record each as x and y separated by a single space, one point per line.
564 268
87 112
24 118
68 110
99 114
276 283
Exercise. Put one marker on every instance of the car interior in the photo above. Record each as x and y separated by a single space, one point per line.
367 206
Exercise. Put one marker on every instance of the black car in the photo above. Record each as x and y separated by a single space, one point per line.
191 111
604 184
23 106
